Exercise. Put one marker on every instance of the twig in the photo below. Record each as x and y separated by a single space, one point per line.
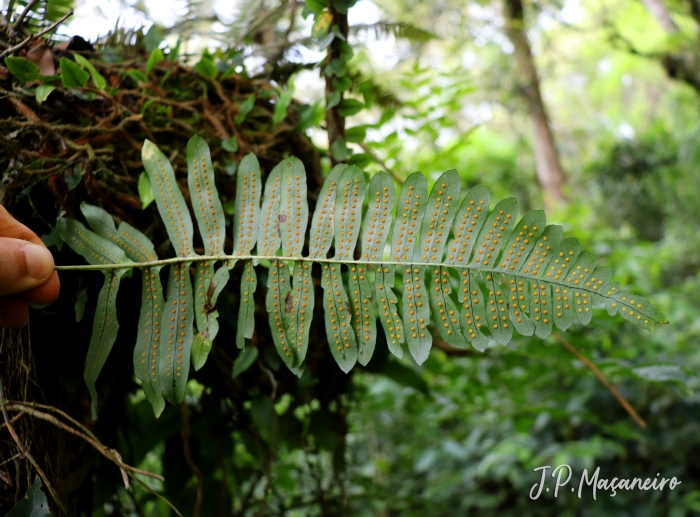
8 13
11 459
273 381
102 449
188 458
26 41
159 496
292 18
381 162
12 420
623 402
25 452
70 127
24 13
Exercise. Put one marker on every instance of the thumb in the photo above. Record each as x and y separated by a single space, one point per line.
23 265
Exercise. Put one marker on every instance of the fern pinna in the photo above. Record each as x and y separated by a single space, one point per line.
508 274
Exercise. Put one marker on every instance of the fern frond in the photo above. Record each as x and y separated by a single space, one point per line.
508 274
400 30
97 250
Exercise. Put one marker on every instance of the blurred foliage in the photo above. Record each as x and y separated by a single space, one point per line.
461 434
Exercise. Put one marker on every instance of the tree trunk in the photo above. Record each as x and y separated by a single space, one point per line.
335 123
549 172
658 10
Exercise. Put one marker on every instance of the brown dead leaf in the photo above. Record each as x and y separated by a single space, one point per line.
42 56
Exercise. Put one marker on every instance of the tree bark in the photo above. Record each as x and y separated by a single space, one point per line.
335 123
658 10
549 172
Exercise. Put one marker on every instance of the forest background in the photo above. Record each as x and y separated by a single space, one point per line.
587 108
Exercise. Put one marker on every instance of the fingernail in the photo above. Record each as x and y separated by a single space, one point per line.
39 261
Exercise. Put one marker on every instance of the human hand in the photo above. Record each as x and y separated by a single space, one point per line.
26 272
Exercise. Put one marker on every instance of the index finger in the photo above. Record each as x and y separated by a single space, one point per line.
10 227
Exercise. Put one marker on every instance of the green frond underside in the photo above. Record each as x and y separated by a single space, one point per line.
468 274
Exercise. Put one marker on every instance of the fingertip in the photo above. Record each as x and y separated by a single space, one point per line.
39 259
45 293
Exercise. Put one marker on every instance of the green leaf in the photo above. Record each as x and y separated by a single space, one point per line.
494 232
356 134
339 150
230 144
445 312
244 361
95 249
43 91
23 69
363 313
153 38
154 58
294 208
302 311
441 210
322 24
292 221
349 107
33 504
387 308
316 6
207 68
663 373
52 239
360 159
148 349
137 246
333 99
375 232
310 116
244 108
206 295
497 305
104 332
72 76
72 178
281 107
246 313
637 310
176 334
246 215
171 203
264 418
322 225
470 218
341 338
137 75
378 217
269 235
80 301
145 192
473 312
279 303
97 78
416 308
205 199
342 6
342 83
348 211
